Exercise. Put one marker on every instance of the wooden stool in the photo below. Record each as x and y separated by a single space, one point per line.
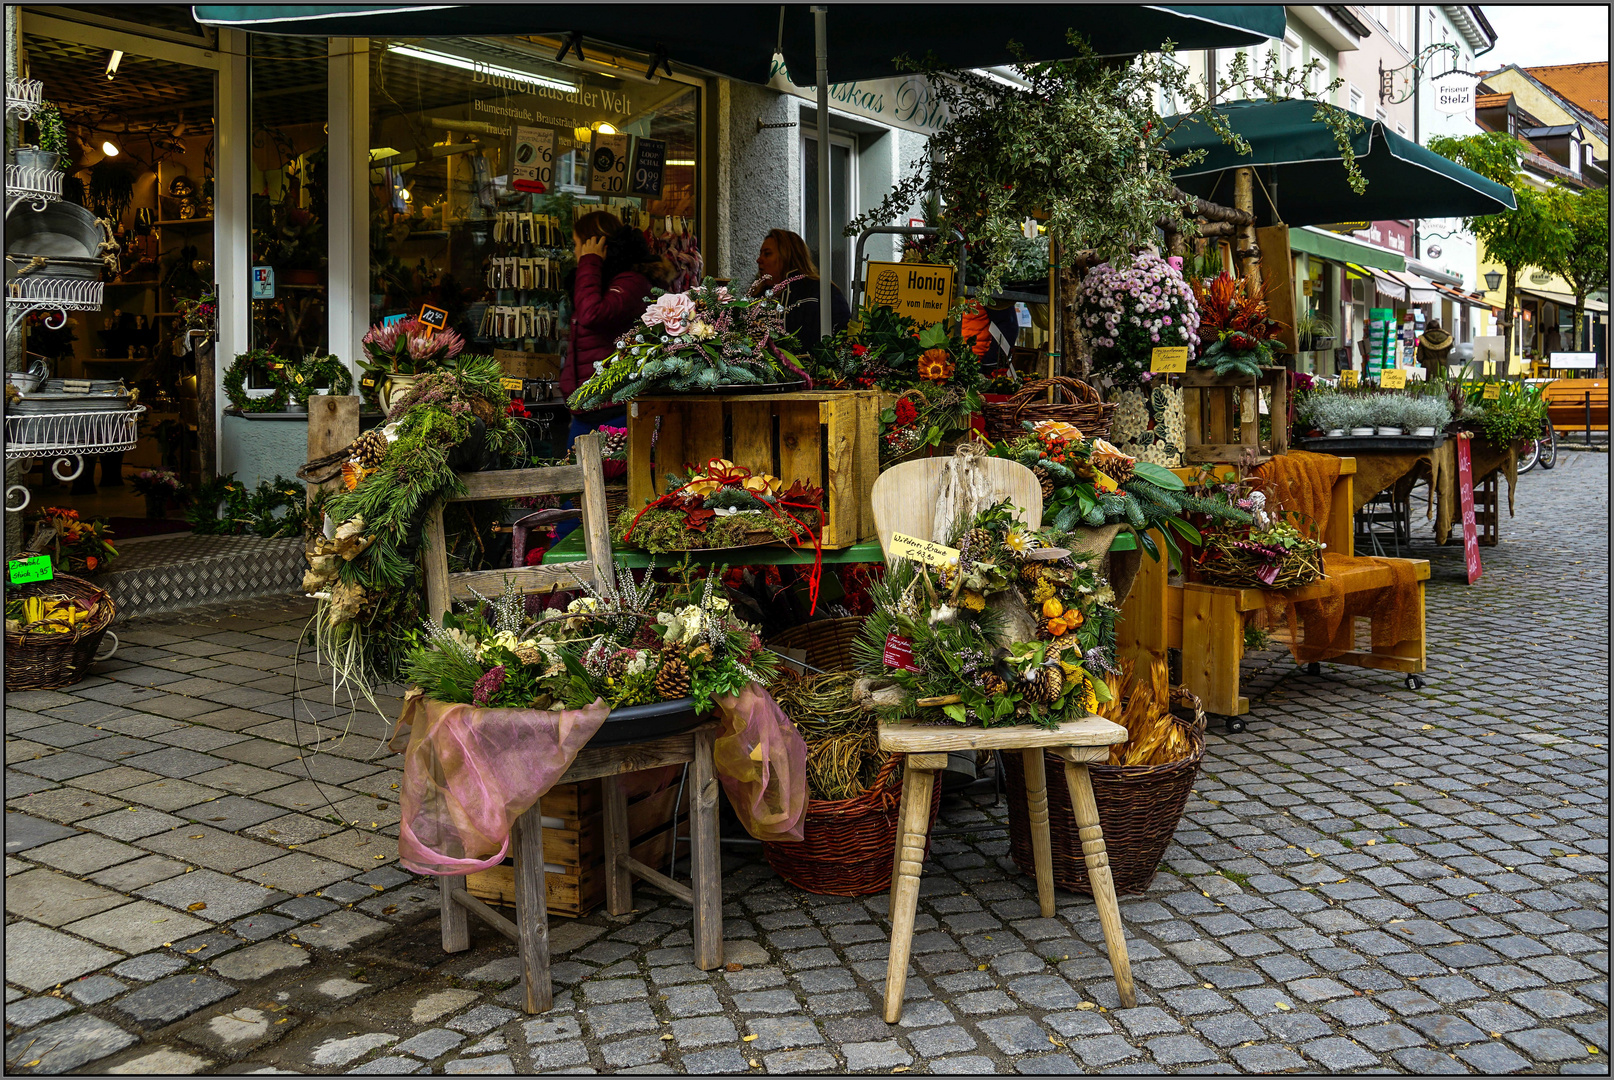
1078 742
704 893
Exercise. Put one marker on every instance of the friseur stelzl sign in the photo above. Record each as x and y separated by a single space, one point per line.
918 290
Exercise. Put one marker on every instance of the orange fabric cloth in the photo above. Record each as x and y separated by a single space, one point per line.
1301 485
977 328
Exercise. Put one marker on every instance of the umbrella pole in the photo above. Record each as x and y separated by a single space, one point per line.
1246 251
825 231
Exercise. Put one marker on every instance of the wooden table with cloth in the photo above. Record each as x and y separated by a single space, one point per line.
1399 470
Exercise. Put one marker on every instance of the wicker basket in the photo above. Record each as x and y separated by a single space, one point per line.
1081 407
848 845
36 661
616 500
1139 807
828 641
1224 561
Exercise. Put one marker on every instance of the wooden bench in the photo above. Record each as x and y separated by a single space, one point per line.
1577 405
1207 621
530 931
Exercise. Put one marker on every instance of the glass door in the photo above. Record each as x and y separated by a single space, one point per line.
842 204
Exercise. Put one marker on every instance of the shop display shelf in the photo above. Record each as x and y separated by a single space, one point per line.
36 293
30 184
68 435
23 96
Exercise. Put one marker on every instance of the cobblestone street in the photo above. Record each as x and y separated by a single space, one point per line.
1369 878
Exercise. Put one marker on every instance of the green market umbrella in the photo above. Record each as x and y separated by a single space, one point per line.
1299 167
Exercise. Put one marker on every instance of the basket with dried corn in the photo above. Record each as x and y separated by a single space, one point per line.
1140 791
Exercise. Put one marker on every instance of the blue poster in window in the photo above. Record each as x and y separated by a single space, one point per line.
263 283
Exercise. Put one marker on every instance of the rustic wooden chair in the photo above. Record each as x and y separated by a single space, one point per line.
905 501
530 931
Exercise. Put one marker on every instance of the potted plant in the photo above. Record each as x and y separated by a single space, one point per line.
159 487
1356 417
51 152
1427 416
1328 414
1387 411
396 355
1313 332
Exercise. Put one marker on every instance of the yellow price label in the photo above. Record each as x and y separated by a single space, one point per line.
511 384
1393 378
1169 358
1104 482
923 551
1492 392
1348 378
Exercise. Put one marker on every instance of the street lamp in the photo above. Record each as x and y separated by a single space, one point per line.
1493 281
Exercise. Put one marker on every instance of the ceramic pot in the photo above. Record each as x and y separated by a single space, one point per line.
1389 431
394 388
1360 432
1337 433
1424 432
36 159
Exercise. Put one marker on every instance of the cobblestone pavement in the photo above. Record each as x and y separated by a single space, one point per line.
1368 879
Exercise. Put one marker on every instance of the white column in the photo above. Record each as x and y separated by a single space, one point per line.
232 221
348 232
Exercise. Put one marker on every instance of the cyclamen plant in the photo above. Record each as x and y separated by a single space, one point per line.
1131 309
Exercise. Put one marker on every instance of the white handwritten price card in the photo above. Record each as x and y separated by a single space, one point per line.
928 552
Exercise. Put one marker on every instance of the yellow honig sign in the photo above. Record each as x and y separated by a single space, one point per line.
921 291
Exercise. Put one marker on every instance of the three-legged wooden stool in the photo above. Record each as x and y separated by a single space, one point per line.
704 893
926 747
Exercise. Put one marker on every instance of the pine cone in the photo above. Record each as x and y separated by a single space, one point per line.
369 448
1082 469
1031 573
1045 685
981 542
1046 479
992 684
1117 469
617 667
672 681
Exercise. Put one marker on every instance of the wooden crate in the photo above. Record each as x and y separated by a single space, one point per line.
1216 428
577 844
829 439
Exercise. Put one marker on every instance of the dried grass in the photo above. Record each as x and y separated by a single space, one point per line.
1142 704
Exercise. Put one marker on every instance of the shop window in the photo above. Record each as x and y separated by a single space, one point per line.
290 201
483 151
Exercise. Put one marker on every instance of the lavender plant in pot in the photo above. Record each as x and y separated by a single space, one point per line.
1357 417
1387 411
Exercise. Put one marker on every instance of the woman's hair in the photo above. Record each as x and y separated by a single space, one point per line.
625 247
793 254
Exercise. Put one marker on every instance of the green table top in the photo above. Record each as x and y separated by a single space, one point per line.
570 549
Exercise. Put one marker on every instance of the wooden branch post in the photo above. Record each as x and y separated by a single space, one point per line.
333 422
1248 252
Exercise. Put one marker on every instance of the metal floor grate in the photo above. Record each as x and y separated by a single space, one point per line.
187 571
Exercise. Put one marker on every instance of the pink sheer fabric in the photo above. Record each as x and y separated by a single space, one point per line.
761 761
469 773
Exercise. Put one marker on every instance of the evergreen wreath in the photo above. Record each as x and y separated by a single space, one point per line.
274 369
315 371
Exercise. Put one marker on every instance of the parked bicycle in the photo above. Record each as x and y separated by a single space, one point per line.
1543 451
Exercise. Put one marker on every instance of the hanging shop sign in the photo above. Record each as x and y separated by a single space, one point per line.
921 291
906 103
1454 96
532 159
608 164
649 168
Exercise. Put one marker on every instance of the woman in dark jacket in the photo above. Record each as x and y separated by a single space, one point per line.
784 255
610 290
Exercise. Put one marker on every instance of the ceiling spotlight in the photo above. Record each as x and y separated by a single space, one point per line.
110 148
604 128
112 64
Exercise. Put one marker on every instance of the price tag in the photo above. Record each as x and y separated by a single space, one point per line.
367 383
433 318
1104 482
1169 358
29 568
1392 378
532 162
898 653
1493 392
392 320
608 164
649 164
297 377
511 384
1348 378
923 551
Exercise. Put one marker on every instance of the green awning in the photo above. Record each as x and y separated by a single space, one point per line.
1342 249
739 40
1299 169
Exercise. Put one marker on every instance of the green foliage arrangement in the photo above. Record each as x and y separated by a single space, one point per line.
883 348
224 507
52 134
1518 412
314 372
700 341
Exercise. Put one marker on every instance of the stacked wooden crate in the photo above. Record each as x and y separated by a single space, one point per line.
574 840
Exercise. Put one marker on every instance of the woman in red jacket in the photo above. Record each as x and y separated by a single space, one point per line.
611 288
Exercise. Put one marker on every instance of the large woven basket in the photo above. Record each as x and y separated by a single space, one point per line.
1081 406
36 661
828 642
848 845
1139 807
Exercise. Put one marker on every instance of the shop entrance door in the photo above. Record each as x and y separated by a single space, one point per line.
842 205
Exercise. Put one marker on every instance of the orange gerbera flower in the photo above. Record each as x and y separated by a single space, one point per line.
936 365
